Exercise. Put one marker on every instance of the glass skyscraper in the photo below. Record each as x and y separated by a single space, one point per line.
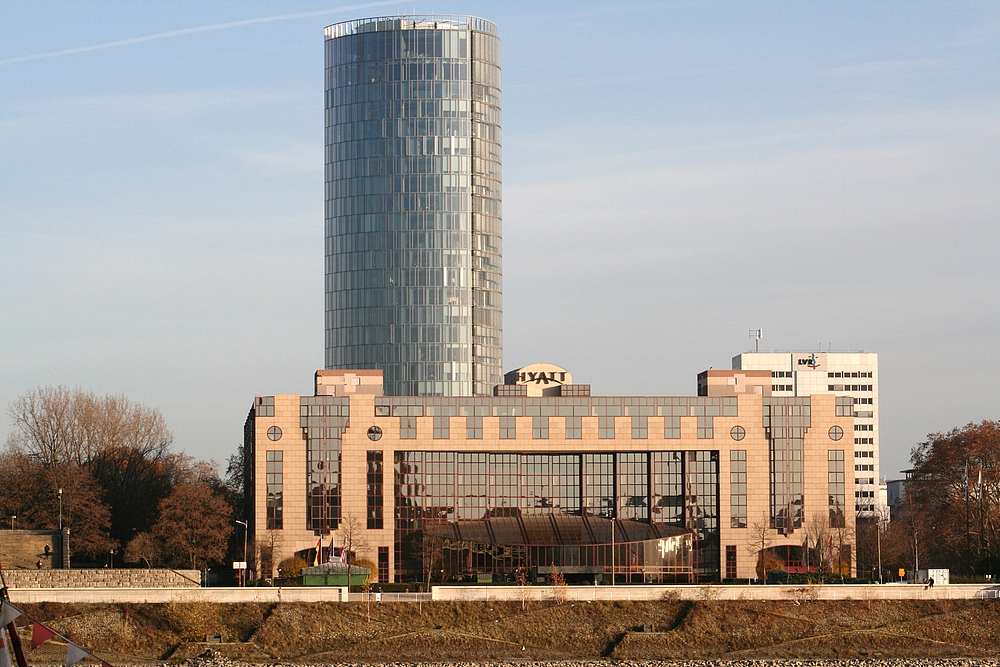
413 212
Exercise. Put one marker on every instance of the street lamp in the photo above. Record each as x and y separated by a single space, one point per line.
12 517
60 509
243 571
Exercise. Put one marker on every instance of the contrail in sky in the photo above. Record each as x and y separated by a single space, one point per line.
202 28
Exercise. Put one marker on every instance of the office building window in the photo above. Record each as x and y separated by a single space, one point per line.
375 490
540 428
574 427
836 475
383 565
705 427
274 490
737 433
730 561
508 428
640 428
442 428
738 488
606 428
671 428
407 428
474 428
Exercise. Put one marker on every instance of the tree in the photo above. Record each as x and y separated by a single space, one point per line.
194 525
759 538
952 499
58 425
30 491
133 486
143 548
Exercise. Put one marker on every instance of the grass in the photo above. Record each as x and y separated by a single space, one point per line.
480 631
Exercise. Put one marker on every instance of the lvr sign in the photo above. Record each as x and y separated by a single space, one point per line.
809 361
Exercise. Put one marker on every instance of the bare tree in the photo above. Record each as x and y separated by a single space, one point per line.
58 425
759 538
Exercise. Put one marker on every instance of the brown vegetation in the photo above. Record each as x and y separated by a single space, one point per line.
670 629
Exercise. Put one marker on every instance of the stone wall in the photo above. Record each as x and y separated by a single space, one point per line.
103 578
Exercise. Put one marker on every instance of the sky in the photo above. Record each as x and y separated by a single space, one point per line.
675 174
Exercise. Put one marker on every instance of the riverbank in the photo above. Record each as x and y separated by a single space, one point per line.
495 632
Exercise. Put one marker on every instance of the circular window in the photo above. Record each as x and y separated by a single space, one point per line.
738 433
374 433
274 433
836 433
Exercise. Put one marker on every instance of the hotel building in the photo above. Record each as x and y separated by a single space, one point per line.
853 374
543 475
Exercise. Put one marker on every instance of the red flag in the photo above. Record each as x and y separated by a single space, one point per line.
106 664
40 634
319 548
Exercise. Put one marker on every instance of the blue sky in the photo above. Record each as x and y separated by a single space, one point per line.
675 174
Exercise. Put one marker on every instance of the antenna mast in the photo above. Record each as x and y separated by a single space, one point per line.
756 334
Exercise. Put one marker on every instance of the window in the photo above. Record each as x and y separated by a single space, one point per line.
383 565
864 467
274 490
836 484
540 428
864 441
442 428
864 427
730 561
375 489
863 455
374 433
836 433
474 428
574 427
737 433
705 427
274 433
407 428
606 428
738 488
640 428
508 428
781 387
671 428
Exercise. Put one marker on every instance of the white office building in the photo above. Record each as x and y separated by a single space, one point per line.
852 374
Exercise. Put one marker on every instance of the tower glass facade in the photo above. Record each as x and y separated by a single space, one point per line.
413 212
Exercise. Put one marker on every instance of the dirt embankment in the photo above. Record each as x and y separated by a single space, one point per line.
490 632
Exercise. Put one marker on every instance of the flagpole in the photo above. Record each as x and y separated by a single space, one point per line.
15 639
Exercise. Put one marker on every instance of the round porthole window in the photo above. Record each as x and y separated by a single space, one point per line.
836 433
738 433
274 433
374 433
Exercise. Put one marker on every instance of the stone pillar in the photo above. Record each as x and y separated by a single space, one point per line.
64 548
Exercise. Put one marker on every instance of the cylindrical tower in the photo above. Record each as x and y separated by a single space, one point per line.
413 258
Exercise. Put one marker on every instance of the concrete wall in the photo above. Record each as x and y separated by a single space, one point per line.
25 549
712 592
103 578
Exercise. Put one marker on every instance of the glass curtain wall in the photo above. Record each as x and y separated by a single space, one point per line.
413 203
433 488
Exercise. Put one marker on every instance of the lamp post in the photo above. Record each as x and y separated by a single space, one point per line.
12 517
243 571
60 509
612 549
